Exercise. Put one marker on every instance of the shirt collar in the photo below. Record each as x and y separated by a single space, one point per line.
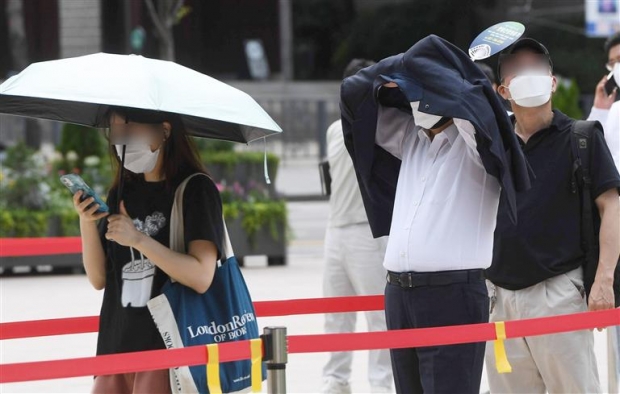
450 133
560 121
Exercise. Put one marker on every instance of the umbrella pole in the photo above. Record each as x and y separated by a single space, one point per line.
121 179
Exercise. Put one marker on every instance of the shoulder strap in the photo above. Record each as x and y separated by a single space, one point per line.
177 236
581 136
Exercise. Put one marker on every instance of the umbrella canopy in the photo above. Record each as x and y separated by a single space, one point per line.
80 90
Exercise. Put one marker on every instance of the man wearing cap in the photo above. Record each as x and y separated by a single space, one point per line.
537 263
433 150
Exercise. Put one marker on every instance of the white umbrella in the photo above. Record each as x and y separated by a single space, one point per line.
81 89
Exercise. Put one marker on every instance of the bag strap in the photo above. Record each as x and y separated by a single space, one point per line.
581 135
177 235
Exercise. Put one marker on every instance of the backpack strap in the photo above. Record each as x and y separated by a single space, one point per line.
581 141
581 136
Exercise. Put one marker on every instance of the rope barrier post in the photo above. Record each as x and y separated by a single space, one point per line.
612 360
276 357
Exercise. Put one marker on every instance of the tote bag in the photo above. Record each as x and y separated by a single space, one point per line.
224 313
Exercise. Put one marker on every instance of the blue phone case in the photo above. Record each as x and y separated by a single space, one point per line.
74 183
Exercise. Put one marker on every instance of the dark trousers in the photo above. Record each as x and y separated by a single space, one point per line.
437 369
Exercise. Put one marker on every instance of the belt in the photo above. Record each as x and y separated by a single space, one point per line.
410 280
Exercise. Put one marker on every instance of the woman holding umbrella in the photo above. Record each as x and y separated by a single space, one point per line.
127 254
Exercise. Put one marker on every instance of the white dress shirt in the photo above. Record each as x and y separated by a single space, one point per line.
610 119
446 203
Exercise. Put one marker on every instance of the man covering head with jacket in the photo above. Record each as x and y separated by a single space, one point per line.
433 150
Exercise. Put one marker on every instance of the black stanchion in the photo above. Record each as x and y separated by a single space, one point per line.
276 357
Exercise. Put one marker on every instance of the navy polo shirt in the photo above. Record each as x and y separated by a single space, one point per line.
546 241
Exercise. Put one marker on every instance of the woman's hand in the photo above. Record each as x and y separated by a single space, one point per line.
82 207
122 230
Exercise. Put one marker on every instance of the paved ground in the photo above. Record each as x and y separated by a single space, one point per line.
25 298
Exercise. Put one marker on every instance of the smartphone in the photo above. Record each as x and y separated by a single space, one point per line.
611 84
326 178
75 183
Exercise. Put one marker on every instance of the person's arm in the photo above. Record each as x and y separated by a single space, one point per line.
599 114
605 187
468 132
602 102
391 126
602 294
194 269
93 255
612 132
392 123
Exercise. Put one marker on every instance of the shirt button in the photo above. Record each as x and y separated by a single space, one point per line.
402 254
415 203
423 179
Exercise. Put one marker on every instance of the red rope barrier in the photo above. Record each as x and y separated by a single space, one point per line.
231 351
308 306
81 325
43 328
437 336
119 363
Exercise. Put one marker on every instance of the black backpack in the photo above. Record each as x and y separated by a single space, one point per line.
581 135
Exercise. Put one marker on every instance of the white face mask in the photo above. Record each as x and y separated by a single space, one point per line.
422 119
616 72
531 90
138 157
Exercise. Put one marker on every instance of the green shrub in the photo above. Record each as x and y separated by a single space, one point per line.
7 224
69 223
24 183
258 216
30 223
231 159
209 145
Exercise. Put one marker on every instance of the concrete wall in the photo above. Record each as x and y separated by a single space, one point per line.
315 90
304 110
80 27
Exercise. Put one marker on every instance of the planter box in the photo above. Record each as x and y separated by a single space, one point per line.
63 262
262 244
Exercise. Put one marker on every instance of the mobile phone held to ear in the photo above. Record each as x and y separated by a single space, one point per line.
611 84
75 183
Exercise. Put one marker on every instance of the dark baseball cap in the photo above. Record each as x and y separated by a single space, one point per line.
523 43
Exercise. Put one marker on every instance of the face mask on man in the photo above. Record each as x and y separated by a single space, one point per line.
427 121
138 157
530 90
616 72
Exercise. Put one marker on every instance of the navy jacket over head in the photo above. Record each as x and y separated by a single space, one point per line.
447 83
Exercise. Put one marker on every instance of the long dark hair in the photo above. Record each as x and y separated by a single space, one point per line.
180 156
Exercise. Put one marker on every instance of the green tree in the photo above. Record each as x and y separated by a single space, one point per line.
83 140
566 99
319 26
